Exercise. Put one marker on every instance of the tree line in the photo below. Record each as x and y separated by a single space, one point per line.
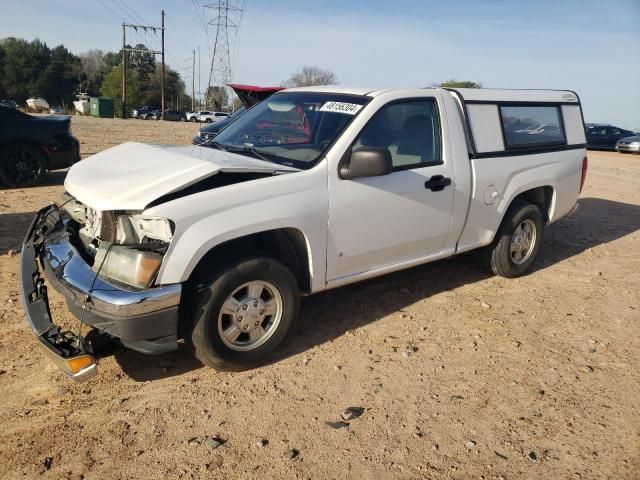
32 69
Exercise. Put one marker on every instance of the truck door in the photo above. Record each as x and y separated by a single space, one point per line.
380 221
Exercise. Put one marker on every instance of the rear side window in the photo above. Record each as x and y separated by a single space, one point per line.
527 126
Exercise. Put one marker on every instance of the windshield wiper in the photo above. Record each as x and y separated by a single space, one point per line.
248 148
218 145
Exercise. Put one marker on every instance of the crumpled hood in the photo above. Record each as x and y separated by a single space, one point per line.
132 175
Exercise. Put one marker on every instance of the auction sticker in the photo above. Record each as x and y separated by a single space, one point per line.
341 107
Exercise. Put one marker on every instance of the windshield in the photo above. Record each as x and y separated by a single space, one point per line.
292 129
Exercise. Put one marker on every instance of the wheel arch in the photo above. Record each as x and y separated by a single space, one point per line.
287 245
543 196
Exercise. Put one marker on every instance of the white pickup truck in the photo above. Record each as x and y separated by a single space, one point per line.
312 189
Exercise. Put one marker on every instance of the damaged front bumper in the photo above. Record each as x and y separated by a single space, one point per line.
143 320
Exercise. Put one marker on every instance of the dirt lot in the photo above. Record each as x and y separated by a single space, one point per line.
462 375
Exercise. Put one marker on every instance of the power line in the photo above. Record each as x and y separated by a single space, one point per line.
202 20
109 8
129 11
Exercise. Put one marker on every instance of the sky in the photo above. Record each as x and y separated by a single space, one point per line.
590 46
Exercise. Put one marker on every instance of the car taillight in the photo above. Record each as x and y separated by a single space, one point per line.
585 164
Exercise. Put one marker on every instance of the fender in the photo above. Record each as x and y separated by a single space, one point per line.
295 200
559 170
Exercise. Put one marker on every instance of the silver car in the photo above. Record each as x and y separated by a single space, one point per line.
628 144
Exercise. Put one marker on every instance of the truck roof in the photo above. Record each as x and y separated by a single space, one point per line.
467 94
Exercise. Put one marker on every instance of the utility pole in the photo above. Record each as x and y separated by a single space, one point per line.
139 50
124 71
162 77
199 72
193 82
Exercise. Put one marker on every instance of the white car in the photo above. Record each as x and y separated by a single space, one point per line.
311 189
194 116
210 117
629 144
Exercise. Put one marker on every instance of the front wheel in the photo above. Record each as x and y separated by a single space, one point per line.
244 314
517 242
193 119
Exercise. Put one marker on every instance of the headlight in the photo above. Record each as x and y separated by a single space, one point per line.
127 265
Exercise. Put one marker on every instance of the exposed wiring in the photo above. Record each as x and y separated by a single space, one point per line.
88 295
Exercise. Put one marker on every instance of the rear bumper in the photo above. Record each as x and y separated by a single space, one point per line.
144 320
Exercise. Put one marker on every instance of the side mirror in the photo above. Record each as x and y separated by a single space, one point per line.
367 162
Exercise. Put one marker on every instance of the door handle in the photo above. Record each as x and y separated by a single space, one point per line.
437 183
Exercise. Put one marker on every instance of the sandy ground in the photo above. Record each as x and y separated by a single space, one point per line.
461 374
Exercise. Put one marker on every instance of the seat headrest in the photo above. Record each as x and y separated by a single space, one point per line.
416 125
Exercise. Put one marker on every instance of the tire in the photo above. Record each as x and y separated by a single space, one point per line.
279 293
193 119
524 219
207 120
22 165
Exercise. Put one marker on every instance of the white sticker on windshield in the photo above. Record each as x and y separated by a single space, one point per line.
341 107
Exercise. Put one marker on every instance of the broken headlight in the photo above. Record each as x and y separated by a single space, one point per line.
136 255
128 265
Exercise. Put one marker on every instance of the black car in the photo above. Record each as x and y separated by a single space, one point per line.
8 103
604 137
212 129
142 112
170 115
30 146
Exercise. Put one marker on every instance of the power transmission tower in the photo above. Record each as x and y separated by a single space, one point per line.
224 20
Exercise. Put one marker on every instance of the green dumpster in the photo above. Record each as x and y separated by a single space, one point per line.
102 107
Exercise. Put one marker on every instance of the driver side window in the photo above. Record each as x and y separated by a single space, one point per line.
410 130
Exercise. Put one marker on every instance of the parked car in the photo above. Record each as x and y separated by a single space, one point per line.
149 114
249 95
629 144
140 111
311 189
30 146
170 115
604 137
212 117
193 116
8 103
210 130
56 110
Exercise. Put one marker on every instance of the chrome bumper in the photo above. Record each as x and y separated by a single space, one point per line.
144 320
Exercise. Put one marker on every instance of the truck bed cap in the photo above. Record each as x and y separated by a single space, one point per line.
472 95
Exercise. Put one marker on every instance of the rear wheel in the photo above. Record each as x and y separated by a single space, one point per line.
208 120
517 242
244 314
22 166
193 119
